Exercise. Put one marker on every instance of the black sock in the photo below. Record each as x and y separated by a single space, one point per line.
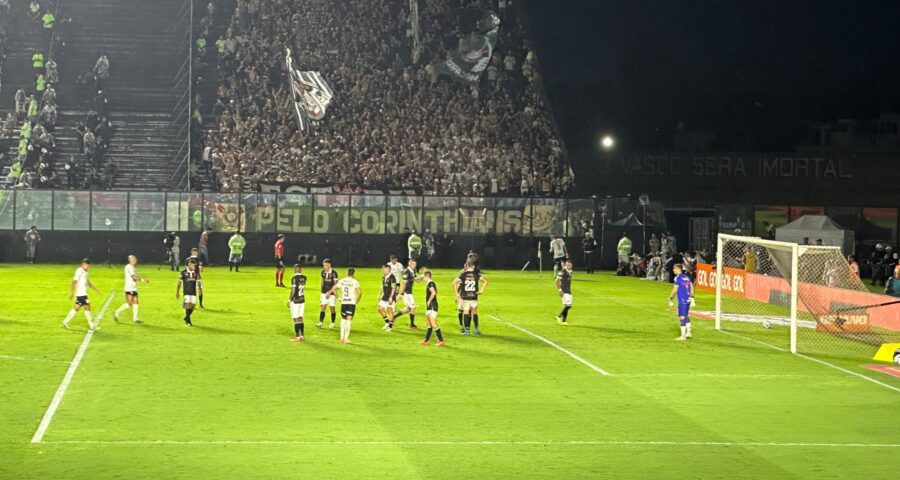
398 314
437 331
201 300
321 316
332 318
412 319
230 266
297 327
460 316
467 320
565 312
428 334
385 319
301 328
475 320
237 267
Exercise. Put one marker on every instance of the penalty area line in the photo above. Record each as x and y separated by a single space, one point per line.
638 443
820 362
67 379
554 345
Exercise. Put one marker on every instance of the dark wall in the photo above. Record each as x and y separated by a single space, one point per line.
823 179
345 250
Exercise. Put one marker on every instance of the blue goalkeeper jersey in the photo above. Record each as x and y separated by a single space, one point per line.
684 288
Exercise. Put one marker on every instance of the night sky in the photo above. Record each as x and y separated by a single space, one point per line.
752 71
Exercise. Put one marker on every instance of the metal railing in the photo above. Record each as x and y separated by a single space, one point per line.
181 112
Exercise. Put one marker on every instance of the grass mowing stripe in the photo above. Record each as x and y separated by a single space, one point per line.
649 443
31 359
821 362
67 379
548 342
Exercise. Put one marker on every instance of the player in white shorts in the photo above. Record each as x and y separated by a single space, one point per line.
468 286
564 288
297 301
388 299
351 294
406 288
79 291
327 298
131 293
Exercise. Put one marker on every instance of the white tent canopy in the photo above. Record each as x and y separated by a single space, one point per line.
817 227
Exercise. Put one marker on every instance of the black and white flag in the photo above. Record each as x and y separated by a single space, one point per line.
468 62
310 94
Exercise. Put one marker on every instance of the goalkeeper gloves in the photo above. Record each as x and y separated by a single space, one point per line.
692 302
671 303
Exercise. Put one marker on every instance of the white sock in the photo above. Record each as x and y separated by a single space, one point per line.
688 327
89 317
122 308
683 330
134 313
343 329
347 330
70 315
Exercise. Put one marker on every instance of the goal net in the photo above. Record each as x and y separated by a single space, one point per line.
801 298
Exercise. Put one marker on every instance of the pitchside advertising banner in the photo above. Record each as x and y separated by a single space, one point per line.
846 308
378 214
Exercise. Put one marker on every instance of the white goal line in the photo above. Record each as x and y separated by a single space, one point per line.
637 443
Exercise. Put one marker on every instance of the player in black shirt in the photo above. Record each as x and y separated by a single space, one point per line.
564 288
195 256
468 286
406 289
297 301
431 311
327 297
387 300
189 284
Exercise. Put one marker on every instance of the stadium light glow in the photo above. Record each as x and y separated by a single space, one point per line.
607 142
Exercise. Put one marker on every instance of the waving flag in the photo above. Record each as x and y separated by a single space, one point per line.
474 55
310 93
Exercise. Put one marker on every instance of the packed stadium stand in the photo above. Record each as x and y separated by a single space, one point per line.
396 122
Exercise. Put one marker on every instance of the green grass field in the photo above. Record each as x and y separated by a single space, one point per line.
232 398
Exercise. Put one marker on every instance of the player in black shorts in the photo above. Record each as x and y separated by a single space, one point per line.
189 284
279 260
431 311
297 301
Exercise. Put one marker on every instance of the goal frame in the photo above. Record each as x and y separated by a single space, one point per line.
795 250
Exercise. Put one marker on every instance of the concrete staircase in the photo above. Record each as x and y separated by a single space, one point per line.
145 45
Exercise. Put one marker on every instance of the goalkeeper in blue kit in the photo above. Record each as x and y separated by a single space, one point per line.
684 291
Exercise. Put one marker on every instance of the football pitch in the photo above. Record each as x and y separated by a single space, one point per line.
613 395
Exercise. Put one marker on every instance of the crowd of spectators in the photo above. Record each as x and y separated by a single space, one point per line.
395 121
32 124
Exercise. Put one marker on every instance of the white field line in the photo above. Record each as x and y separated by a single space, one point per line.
31 359
819 361
638 443
67 379
561 349
717 375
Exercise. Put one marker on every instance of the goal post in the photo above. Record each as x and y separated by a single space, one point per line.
801 298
